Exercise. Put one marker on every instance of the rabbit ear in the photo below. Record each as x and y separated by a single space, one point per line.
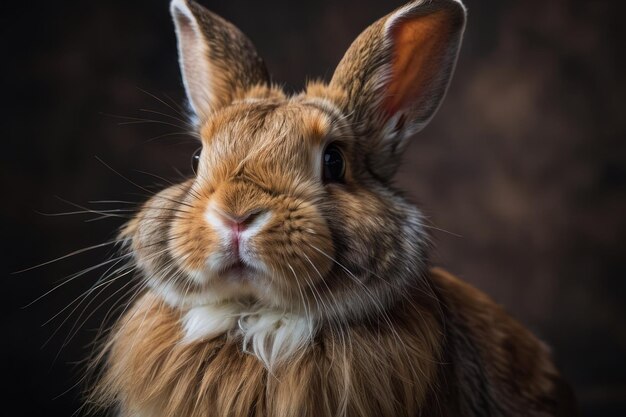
397 71
217 61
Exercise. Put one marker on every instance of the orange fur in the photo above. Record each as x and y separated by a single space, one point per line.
370 369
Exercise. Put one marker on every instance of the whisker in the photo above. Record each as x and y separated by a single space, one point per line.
113 202
442 230
86 293
180 174
186 123
138 120
122 176
139 186
60 258
155 176
103 286
76 329
180 111
165 135
73 277
148 121
110 213
106 216
85 209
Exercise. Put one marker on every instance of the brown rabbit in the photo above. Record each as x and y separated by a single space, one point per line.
288 277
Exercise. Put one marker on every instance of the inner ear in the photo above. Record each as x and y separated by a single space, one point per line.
419 51
396 74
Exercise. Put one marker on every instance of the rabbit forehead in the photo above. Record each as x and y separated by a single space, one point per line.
279 141
252 124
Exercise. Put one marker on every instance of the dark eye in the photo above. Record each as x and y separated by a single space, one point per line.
195 159
334 166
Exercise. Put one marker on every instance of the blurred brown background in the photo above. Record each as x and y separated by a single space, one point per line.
525 165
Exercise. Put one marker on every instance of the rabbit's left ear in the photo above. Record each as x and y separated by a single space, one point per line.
217 61
396 74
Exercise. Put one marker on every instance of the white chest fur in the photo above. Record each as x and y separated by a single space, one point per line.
272 336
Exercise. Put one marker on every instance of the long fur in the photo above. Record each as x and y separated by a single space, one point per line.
370 369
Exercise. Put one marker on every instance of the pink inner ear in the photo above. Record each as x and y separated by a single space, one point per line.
419 46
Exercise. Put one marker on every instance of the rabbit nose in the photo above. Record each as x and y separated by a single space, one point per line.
236 226
239 223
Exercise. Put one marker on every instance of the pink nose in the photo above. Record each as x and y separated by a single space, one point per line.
239 223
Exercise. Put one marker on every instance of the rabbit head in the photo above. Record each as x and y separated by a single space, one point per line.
291 206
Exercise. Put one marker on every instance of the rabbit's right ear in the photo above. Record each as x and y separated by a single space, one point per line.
396 73
217 61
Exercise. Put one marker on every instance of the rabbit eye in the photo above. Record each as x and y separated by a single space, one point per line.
334 165
195 160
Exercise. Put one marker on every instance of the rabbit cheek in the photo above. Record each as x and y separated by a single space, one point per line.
195 244
150 230
297 244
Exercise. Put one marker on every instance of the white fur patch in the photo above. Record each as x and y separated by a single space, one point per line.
209 321
271 335
274 336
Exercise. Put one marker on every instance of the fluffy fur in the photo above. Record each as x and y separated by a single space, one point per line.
348 371
270 292
272 336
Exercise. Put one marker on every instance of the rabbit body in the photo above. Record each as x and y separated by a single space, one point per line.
288 277
466 357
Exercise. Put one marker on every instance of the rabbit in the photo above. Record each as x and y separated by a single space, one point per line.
288 277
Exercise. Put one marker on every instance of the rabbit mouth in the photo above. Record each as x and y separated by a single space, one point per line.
237 268
238 271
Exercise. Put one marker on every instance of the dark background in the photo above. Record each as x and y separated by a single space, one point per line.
525 165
